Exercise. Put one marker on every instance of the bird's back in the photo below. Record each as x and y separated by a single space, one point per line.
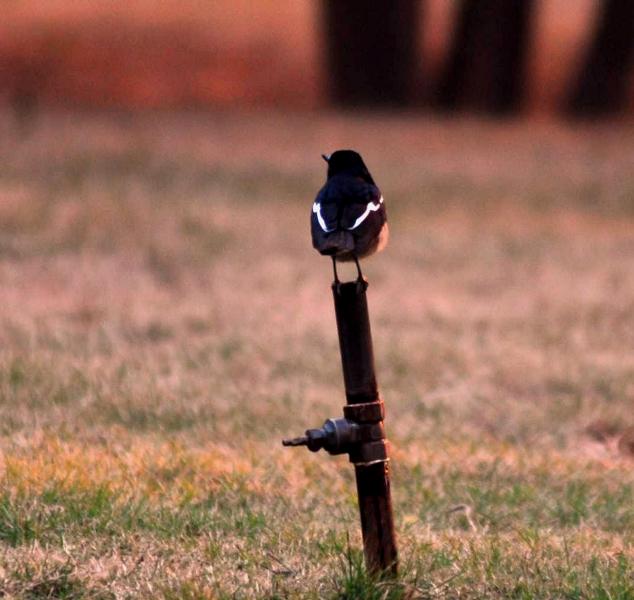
343 199
347 218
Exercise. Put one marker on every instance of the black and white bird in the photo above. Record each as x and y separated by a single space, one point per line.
348 220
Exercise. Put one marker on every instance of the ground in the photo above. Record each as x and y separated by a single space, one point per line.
165 323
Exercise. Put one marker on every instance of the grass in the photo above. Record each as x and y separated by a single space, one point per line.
165 323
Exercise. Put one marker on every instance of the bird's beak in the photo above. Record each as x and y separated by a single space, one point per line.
326 157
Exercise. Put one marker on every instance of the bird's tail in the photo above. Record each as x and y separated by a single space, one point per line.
336 243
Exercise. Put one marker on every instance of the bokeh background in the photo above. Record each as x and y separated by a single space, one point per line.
547 56
165 322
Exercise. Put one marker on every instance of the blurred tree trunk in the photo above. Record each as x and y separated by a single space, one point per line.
601 86
371 50
487 56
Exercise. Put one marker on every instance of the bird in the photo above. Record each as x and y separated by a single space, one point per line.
348 217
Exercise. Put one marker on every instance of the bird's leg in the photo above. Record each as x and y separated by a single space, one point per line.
362 284
356 262
336 283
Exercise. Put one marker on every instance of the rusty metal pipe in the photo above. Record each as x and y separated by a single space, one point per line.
360 433
377 521
373 477
355 341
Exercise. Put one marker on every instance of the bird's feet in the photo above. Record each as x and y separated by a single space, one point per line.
362 282
336 284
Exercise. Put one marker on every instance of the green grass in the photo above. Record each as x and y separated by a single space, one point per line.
165 323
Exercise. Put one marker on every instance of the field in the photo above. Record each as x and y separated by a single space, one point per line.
164 323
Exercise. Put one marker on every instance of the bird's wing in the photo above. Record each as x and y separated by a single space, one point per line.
366 203
346 203
325 211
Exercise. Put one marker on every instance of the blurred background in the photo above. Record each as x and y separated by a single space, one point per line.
165 321
546 56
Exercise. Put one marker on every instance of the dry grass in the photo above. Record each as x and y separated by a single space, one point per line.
165 323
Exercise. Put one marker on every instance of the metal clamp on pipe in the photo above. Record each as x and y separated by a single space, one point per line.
373 447
360 434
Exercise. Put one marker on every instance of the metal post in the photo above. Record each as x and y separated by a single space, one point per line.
360 433
373 476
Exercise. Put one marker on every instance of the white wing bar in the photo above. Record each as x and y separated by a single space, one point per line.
371 207
320 219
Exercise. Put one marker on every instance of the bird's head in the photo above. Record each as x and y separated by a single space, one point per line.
347 162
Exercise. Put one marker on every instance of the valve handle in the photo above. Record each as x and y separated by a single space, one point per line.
298 441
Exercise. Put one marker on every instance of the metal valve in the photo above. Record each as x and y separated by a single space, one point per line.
336 436
360 434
